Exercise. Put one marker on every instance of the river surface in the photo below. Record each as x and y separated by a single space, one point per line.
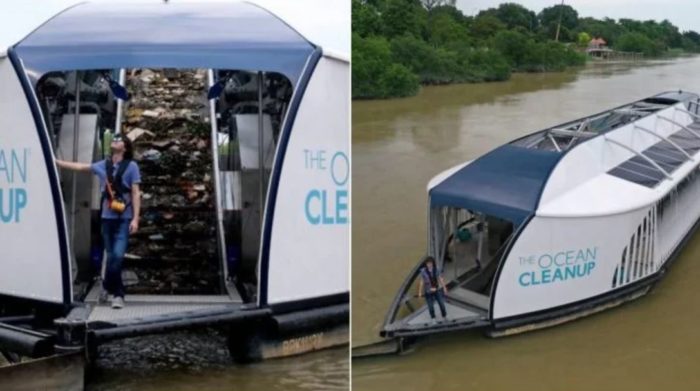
398 145
199 361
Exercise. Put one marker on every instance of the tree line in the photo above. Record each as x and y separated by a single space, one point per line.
397 45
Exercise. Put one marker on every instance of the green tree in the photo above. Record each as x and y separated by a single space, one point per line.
365 19
513 15
415 54
432 65
513 46
670 34
486 65
398 44
486 26
443 29
453 12
430 4
549 19
401 17
639 43
397 81
583 39
692 36
374 75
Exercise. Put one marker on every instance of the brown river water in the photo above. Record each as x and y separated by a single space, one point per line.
398 145
199 361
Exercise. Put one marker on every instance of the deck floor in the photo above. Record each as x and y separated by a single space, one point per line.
131 311
141 306
454 313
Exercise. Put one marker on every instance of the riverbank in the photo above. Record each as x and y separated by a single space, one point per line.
400 45
398 68
630 62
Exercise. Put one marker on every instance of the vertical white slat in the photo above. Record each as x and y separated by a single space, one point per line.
620 277
630 260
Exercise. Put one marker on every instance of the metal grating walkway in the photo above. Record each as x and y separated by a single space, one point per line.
142 306
454 313
132 311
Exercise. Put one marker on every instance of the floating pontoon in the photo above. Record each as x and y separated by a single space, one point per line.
561 223
278 102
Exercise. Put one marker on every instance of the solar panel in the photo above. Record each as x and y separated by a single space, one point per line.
633 176
687 141
670 149
639 170
642 166
668 162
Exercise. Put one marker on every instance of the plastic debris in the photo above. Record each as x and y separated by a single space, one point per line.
175 249
151 154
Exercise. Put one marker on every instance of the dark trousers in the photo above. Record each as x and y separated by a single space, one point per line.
115 234
431 298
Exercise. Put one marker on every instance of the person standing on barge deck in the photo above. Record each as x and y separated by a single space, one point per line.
121 204
433 286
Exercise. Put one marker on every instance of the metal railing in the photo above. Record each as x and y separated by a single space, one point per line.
664 138
220 238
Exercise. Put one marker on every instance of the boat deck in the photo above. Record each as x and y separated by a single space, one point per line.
148 306
459 316
455 313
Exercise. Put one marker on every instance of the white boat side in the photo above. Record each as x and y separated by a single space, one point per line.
610 231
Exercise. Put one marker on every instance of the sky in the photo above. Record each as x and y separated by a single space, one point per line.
683 13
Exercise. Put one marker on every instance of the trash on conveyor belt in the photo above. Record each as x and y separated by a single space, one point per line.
175 249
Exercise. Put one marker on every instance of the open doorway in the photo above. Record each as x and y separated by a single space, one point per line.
467 247
198 137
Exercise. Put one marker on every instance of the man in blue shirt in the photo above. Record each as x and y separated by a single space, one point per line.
121 206
433 286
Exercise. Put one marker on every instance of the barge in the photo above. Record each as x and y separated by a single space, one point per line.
277 99
561 223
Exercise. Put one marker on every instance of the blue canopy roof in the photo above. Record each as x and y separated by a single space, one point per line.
216 35
506 183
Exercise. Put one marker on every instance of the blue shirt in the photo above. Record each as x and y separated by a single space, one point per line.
131 176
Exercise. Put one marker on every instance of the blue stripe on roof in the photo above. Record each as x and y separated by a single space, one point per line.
220 36
506 183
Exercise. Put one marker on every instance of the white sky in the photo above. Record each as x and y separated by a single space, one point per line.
683 13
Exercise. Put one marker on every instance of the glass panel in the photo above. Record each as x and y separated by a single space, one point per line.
244 138
78 138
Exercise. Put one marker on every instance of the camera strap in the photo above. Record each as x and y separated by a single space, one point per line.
115 185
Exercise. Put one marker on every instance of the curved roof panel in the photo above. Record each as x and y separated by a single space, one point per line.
179 35
505 183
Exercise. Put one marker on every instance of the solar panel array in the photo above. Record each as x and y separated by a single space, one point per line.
641 171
